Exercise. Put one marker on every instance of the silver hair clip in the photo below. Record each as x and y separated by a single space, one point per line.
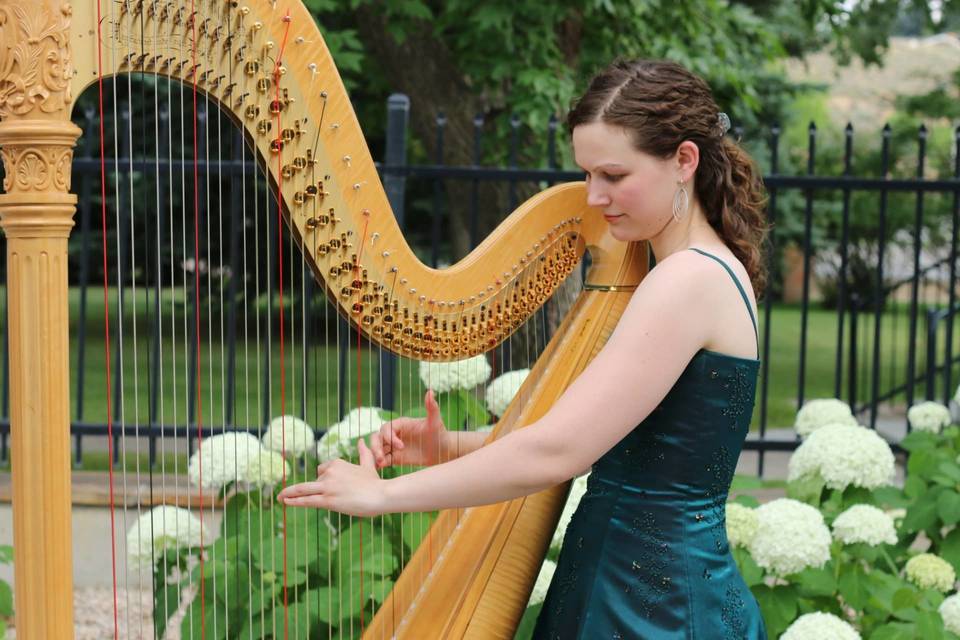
723 123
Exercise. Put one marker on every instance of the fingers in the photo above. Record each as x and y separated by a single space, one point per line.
386 444
366 456
324 466
316 501
376 446
433 410
300 490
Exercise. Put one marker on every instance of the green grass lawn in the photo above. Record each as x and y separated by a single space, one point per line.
820 374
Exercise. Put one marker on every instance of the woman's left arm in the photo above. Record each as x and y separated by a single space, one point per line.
662 328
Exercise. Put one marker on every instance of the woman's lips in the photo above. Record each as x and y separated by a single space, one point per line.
611 217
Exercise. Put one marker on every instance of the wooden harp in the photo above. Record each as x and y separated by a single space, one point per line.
266 65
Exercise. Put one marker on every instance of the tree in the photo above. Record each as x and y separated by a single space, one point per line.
530 58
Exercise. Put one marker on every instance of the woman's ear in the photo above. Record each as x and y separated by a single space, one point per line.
688 158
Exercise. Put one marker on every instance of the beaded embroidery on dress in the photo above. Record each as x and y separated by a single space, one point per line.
646 554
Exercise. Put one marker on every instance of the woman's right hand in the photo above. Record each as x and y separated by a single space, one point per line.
411 441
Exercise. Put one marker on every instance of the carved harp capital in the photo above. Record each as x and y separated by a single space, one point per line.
35 60
36 135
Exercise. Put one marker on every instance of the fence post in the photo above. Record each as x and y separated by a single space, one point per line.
395 184
933 320
852 365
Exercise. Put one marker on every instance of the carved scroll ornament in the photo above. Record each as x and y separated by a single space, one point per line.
35 66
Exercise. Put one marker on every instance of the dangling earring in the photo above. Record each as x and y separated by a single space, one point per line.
681 201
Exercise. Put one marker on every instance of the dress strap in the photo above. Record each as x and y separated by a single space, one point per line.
743 294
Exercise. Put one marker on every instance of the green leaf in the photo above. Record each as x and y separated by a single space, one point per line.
923 463
895 631
377 552
923 513
882 587
950 549
895 498
476 413
948 506
6 554
807 489
376 562
166 601
817 582
6 600
917 441
929 625
778 606
413 530
903 603
262 601
914 487
527 622
201 624
750 571
324 602
852 584
951 469
857 495
309 540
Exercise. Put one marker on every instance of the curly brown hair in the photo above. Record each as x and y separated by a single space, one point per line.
662 104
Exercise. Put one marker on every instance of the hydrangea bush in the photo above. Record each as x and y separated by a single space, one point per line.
848 554
821 412
240 475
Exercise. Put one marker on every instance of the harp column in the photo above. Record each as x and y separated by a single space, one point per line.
36 213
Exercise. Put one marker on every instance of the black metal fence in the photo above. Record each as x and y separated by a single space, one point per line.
880 246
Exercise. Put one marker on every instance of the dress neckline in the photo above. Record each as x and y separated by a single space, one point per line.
727 356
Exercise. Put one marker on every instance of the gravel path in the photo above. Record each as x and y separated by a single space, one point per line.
93 615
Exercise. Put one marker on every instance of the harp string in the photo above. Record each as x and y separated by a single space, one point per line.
158 337
140 151
283 366
106 305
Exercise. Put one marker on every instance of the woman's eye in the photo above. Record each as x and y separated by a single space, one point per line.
613 177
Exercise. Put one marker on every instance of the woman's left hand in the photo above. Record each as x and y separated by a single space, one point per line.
355 490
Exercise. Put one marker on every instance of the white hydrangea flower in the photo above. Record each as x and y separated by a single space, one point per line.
462 374
502 389
929 416
224 459
820 626
339 440
289 435
950 612
577 490
540 587
266 469
163 527
844 455
790 537
818 413
928 571
742 523
864 523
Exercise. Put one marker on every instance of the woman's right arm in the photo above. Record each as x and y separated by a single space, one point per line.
460 443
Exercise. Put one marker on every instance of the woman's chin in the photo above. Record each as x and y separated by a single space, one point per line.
624 235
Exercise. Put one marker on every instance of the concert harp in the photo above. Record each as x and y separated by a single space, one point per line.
265 66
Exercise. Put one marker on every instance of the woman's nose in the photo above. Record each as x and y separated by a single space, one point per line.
596 196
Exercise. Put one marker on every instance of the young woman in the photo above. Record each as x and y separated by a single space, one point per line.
662 411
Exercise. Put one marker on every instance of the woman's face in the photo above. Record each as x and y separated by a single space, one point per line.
632 189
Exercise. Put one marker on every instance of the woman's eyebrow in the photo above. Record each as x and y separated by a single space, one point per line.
606 165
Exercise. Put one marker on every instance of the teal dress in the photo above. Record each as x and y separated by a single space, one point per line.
645 555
